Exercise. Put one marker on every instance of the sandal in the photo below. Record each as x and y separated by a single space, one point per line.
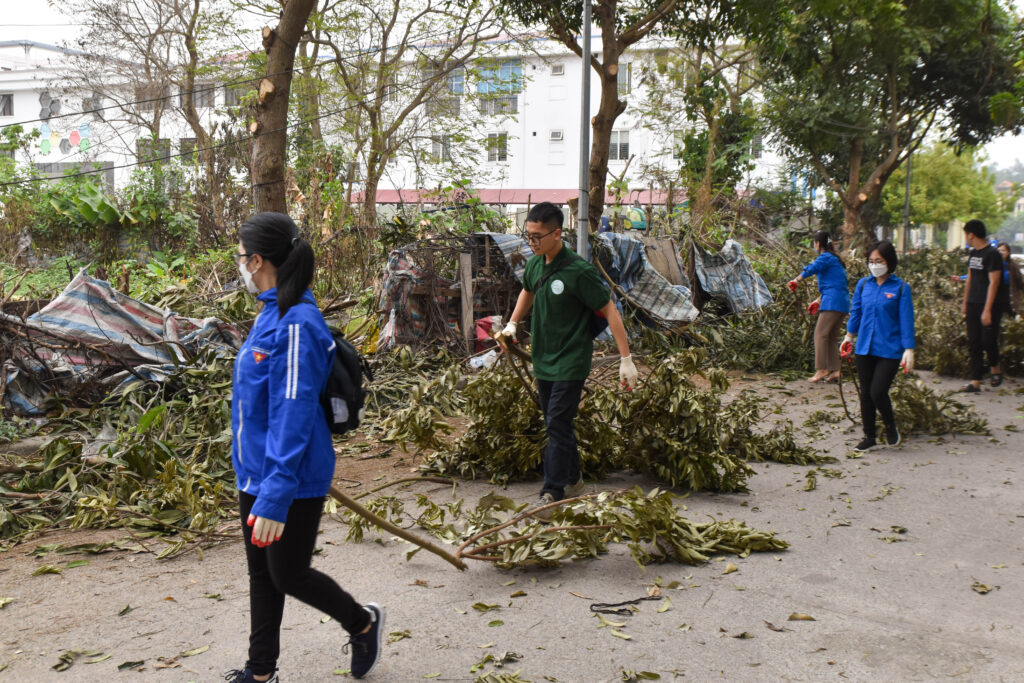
833 378
969 388
997 379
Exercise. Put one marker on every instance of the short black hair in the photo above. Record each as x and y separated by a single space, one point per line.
886 251
545 213
975 227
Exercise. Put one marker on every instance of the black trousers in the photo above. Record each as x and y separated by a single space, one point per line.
559 401
982 339
283 568
876 375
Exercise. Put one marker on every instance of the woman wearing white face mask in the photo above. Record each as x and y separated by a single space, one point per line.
281 449
882 322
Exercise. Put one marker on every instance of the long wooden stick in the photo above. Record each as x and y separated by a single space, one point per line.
397 531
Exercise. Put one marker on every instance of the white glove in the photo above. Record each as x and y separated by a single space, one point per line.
908 361
627 373
510 329
264 531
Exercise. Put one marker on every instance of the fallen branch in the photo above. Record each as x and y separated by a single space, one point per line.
432 480
397 531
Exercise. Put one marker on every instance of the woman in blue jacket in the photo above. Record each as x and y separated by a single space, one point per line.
281 449
882 322
831 307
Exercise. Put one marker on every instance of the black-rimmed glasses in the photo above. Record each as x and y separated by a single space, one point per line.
535 239
238 257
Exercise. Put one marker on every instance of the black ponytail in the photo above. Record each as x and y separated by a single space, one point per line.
825 240
275 237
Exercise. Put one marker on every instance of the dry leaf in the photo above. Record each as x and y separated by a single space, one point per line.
580 595
518 594
620 634
744 636
796 616
773 627
195 651
654 592
166 663
979 587
665 605
730 568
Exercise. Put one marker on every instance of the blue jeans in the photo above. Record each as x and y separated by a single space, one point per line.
559 402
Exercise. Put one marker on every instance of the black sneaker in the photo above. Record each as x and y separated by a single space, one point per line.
366 646
893 436
246 676
864 446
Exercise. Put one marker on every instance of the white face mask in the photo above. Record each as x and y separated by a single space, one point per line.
878 269
250 286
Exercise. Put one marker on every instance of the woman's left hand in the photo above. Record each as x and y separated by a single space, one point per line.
908 361
264 531
814 306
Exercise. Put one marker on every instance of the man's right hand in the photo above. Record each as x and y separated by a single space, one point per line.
510 329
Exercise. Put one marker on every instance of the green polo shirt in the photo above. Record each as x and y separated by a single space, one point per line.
562 346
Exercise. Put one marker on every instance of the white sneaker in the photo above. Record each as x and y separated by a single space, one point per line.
575 490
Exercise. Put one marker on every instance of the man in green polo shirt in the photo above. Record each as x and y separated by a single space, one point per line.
563 290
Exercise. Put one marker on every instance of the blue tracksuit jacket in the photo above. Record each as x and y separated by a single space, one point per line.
835 293
281 447
882 317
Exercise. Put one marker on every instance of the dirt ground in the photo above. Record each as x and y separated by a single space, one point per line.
887 555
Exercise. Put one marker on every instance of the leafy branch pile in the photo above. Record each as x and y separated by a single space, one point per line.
165 468
919 410
671 428
650 525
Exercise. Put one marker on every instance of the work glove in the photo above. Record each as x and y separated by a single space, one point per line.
846 348
264 531
954 278
908 361
814 307
792 284
510 329
627 373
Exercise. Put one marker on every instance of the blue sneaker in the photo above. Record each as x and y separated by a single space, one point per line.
246 676
366 646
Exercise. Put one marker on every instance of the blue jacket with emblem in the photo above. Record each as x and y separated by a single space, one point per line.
835 293
281 447
882 317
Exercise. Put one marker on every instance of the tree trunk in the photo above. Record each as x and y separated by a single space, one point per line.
702 201
269 128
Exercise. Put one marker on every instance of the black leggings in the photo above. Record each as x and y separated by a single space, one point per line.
876 375
282 568
981 339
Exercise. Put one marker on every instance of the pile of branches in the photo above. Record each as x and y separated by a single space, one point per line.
501 531
919 410
671 427
154 460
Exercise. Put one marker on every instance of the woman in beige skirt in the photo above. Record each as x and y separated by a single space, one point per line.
831 307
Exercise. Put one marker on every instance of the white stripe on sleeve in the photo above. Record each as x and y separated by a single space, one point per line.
295 363
291 367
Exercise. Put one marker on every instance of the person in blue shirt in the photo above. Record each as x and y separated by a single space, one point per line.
831 307
281 449
882 322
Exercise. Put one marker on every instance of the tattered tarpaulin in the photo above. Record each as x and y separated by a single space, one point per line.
92 332
630 270
404 318
728 274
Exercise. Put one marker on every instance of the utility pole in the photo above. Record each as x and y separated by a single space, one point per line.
583 206
906 208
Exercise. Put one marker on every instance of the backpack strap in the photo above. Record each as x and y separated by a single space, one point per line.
540 283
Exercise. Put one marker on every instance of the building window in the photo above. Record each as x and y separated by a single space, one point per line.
187 147
619 148
444 106
500 105
147 97
756 146
678 144
391 88
625 77
441 148
497 146
558 69
556 136
6 104
233 94
202 95
149 150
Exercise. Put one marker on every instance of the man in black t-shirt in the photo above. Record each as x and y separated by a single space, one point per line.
985 301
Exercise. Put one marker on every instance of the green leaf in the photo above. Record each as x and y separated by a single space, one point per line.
496 622
125 610
124 666
195 651
46 569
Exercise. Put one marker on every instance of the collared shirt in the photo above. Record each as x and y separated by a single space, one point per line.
882 317
835 293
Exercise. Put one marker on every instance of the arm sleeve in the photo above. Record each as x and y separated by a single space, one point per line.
592 290
993 261
907 318
853 322
296 375
814 268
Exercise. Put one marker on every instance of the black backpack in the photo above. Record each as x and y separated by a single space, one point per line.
344 396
